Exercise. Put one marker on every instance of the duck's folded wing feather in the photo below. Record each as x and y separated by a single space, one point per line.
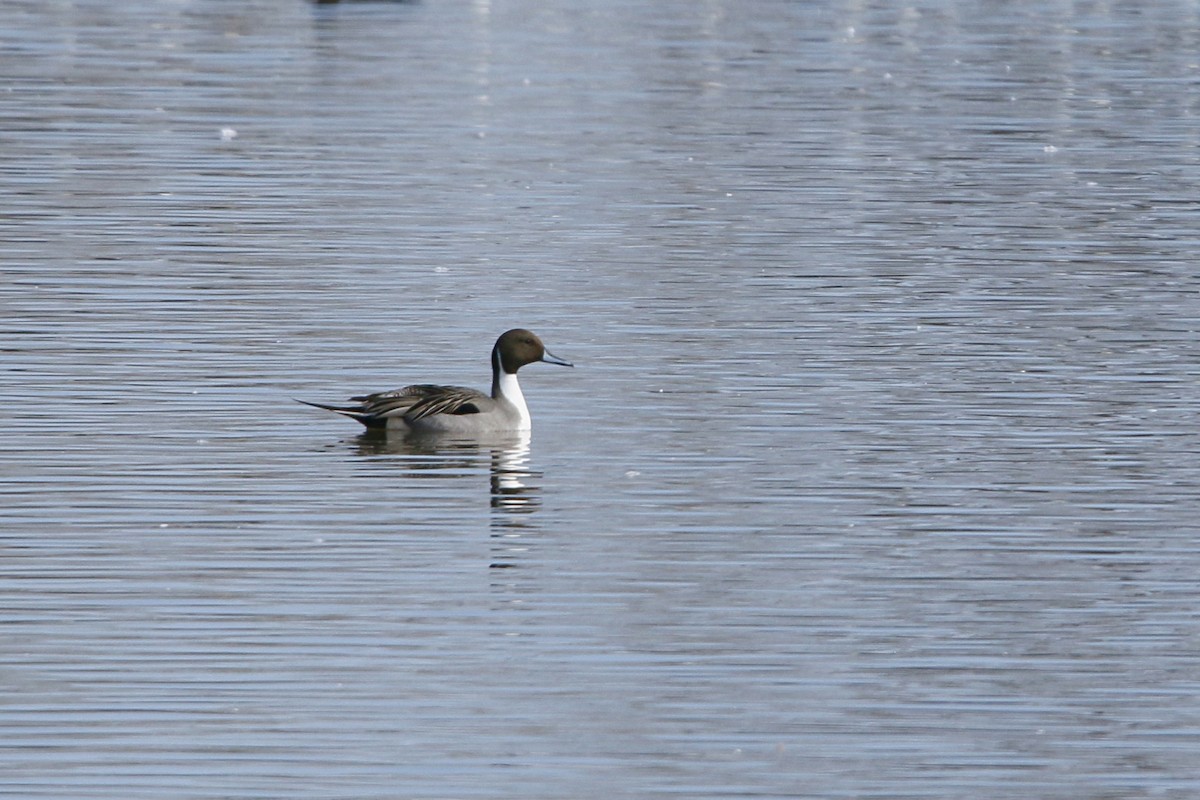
432 400
412 403
423 400
381 405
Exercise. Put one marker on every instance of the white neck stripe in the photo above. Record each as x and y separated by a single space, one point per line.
510 390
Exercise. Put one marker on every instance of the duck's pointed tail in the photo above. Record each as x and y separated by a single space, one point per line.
354 412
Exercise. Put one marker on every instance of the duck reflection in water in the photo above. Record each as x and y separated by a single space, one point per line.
515 486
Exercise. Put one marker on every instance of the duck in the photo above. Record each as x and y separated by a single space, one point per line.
429 408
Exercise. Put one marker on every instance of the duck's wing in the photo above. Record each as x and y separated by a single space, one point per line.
429 399
411 403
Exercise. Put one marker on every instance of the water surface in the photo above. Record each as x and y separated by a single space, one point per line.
876 476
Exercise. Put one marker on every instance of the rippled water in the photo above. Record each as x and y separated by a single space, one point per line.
876 478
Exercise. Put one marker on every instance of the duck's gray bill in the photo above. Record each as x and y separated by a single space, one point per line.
550 358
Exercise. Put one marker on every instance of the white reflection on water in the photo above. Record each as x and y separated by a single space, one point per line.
514 484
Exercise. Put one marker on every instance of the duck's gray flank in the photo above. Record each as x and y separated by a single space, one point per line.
457 409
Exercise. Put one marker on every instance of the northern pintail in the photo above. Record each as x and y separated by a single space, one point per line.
456 409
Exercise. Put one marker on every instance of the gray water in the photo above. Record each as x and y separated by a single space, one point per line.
876 477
